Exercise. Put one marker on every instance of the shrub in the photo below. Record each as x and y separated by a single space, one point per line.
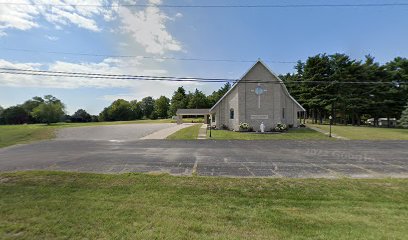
280 127
244 127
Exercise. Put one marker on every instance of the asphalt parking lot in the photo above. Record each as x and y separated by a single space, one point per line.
124 132
293 159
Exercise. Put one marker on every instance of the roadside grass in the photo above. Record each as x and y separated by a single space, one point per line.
15 134
366 133
18 134
57 205
292 134
188 133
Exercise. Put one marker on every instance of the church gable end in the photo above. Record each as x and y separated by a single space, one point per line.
258 97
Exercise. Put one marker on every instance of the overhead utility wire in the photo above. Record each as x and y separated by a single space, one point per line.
395 4
174 79
143 57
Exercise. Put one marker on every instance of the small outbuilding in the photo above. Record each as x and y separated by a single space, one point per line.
192 113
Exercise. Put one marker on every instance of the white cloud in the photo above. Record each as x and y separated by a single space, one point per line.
107 66
51 38
148 28
26 16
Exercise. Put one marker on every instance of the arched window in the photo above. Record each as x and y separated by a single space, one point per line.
231 113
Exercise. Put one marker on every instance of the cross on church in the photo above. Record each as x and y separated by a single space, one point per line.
259 90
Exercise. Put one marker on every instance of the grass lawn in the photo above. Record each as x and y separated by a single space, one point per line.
292 134
15 134
55 205
188 133
366 133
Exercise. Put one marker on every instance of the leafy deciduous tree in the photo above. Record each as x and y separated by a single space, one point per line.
49 111
81 116
161 107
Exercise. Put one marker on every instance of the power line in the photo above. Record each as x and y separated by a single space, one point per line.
361 5
31 72
145 57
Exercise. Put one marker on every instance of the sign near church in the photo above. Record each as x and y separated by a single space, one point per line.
259 117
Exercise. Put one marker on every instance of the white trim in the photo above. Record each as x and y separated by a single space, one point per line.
276 76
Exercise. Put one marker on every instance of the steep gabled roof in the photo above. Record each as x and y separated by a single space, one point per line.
267 68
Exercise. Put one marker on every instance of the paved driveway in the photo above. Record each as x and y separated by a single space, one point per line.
125 132
360 159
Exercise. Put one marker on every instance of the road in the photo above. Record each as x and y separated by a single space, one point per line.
297 159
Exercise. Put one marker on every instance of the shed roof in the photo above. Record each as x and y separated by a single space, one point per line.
193 111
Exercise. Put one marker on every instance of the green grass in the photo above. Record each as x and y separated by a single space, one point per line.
15 134
366 133
292 134
18 134
55 205
188 133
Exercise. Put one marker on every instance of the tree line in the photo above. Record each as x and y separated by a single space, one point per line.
163 107
351 91
51 110
36 110
322 85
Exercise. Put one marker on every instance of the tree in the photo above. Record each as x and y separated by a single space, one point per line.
14 115
104 115
119 110
147 106
178 100
161 107
404 117
29 106
217 95
197 100
136 110
81 116
50 111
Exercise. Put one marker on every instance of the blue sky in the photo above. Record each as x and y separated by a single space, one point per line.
288 34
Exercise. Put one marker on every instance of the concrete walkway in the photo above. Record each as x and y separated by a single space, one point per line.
202 133
164 133
327 133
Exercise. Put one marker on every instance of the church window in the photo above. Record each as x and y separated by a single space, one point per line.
283 113
231 113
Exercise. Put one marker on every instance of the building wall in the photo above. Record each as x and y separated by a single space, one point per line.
244 101
222 111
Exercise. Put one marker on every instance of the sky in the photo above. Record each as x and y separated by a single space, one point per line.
92 39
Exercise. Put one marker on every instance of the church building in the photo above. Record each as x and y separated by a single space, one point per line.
258 97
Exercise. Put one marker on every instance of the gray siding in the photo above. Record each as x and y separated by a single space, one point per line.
245 102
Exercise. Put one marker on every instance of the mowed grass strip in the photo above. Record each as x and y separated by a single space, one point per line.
55 205
292 134
15 134
188 133
366 133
